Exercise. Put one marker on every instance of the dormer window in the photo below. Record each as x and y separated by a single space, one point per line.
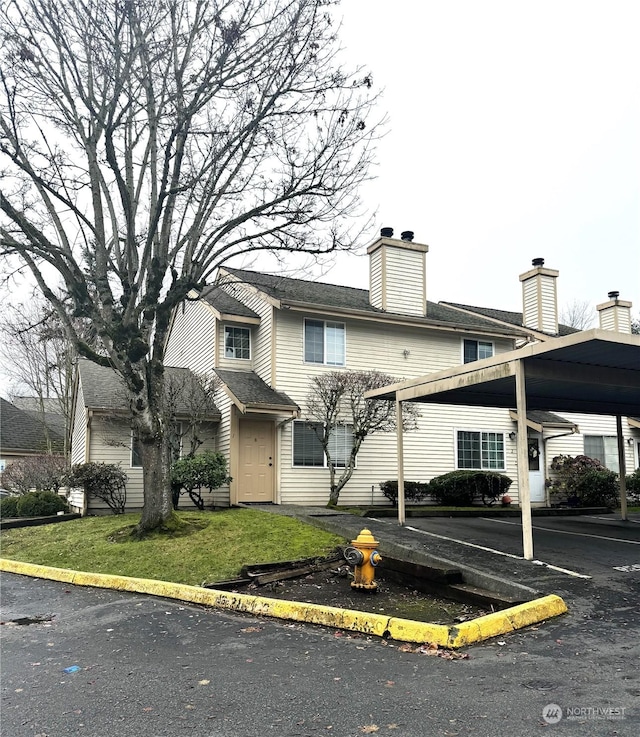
476 350
237 342
324 342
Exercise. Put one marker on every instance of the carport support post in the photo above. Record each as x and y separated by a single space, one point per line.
623 469
400 453
523 462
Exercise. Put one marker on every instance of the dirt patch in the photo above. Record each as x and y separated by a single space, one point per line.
333 588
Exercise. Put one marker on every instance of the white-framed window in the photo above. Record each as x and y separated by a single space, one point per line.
237 342
477 449
308 450
324 342
476 350
603 448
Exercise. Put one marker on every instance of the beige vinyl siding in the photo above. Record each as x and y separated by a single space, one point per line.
429 451
376 278
191 343
78 446
223 443
616 318
591 425
540 303
405 282
260 334
79 430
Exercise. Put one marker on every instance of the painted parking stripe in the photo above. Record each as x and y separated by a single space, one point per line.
615 519
575 574
563 532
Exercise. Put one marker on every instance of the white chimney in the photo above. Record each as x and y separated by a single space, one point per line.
615 314
539 298
398 274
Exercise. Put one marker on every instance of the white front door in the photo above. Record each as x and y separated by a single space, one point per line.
536 468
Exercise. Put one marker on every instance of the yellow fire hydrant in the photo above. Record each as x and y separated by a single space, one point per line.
364 557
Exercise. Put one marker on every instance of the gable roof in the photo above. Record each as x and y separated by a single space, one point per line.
21 432
303 293
249 391
506 316
103 390
52 417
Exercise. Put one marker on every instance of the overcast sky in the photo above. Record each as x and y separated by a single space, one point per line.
513 134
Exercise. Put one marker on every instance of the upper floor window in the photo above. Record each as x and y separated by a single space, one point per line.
308 450
237 342
475 350
481 450
603 448
324 342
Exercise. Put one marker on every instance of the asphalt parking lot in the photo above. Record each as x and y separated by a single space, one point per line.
601 546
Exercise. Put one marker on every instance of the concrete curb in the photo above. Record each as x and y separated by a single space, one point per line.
405 630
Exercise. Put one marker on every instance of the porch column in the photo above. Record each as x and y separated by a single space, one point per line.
400 454
622 465
523 461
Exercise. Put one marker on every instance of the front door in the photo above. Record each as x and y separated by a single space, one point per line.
536 469
256 462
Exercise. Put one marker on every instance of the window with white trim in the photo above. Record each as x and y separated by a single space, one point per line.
237 342
603 448
324 342
476 350
308 450
480 450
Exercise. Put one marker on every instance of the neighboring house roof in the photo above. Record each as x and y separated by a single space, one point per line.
249 391
103 390
53 416
505 316
20 432
302 292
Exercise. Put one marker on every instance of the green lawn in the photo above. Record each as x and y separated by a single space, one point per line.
213 546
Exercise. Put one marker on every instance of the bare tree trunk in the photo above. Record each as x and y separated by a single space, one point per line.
157 507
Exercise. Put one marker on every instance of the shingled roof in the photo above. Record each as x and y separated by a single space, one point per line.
225 303
252 392
301 292
506 316
21 432
102 389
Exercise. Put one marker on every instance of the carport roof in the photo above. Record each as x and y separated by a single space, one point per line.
594 371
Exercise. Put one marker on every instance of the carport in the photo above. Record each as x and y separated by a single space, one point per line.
594 371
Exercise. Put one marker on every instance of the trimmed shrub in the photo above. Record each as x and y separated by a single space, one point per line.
583 481
633 486
104 481
206 470
40 504
414 491
9 506
597 488
460 488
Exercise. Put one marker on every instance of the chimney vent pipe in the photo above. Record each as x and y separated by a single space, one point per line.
537 262
386 232
614 295
407 235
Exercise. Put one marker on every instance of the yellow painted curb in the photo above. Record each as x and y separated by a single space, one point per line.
405 630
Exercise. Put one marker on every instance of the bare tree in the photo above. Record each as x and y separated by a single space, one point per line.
336 400
635 325
145 144
39 359
578 314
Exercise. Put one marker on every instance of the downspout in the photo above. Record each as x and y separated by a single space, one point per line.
87 455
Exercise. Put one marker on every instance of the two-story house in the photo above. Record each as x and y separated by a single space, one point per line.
265 337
